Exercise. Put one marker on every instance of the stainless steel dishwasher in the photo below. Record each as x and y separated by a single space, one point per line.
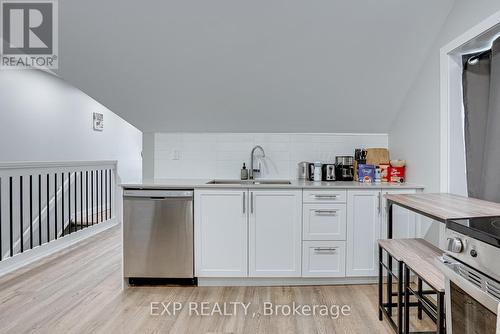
158 234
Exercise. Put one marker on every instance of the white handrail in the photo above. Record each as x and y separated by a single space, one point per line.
55 164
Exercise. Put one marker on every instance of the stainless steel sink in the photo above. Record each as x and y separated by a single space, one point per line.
250 182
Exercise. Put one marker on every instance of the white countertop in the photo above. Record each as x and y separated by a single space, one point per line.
295 184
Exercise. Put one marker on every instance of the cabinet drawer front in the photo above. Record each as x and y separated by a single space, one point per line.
324 221
323 259
325 196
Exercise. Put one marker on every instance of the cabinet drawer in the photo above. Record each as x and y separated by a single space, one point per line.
324 221
323 259
325 196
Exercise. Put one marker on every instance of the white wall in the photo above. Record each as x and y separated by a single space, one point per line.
220 155
415 134
42 118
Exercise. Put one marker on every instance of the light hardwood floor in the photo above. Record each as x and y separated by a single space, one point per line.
79 291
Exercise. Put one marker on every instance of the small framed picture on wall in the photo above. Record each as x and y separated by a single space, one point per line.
98 122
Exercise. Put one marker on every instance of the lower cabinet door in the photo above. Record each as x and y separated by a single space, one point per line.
363 231
323 259
220 225
275 238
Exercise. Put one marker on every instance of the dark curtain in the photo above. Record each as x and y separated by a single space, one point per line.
481 85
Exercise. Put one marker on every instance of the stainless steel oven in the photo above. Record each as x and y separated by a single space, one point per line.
471 266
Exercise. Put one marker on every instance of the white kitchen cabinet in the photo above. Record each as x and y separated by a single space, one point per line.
221 233
293 233
323 259
275 238
363 231
404 221
324 221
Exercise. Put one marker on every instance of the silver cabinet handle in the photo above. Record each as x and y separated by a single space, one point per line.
251 202
325 196
244 202
325 212
325 249
379 203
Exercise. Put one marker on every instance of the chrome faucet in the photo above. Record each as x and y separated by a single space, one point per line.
254 170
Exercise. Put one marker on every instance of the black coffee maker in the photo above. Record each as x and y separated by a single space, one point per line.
344 168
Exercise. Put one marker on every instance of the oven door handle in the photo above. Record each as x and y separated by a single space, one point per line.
478 294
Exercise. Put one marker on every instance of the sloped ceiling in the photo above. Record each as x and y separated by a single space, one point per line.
261 65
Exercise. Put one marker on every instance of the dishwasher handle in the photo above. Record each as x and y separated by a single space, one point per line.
158 194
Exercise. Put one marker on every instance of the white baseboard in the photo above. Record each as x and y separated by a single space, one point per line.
20 260
209 281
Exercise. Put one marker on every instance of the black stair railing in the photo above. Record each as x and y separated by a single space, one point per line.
41 206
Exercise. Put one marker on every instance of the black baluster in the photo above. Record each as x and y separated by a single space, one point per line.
97 197
81 201
47 207
55 206
92 197
31 212
106 193
11 218
87 198
96 189
102 198
69 203
110 194
21 227
39 209
76 202
62 204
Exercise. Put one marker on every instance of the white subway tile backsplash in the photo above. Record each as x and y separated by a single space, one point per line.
196 155
276 146
275 169
227 169
298 156
277 155
165 141
232 155
198 146
220 155
233 146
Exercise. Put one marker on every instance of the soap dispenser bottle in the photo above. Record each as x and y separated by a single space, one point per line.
244 172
